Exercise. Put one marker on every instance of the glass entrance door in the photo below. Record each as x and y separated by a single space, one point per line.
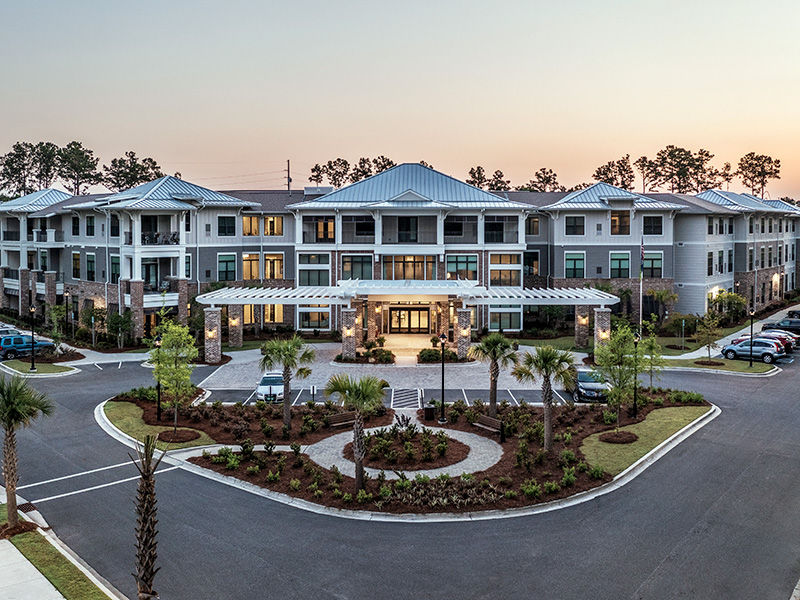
409 320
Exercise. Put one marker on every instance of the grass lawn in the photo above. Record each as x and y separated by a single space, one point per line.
676 341
657 427
24 366
738 366
128 417
137 351
565 342
65 576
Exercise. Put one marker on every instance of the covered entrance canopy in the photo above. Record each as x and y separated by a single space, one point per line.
467 293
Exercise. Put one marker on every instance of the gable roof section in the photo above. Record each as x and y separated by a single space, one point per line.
781 205
737 202
35 201
409 185
172 193
692 204
598 195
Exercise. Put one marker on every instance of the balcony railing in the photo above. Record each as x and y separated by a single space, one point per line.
160 238
156 288
11 236
10 273
49 235
39 277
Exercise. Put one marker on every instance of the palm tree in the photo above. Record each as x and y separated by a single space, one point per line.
146 521
663 298
359 395
625 295
498 351
552 366
20 404
289 355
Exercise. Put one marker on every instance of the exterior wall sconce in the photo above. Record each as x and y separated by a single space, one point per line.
348 332
378 310
211 334
233 322
604 334
583 319
465 332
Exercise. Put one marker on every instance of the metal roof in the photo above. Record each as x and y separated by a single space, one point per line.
35 201
598 195
409 182
737 202
781 205
693 204
170 188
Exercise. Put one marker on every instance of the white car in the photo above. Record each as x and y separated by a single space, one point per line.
270 388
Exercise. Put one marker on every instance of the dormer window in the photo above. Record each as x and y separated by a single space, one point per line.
620 222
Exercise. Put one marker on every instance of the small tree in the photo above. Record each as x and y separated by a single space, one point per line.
146 521
498 351
172 354
290 355
708 332
617 363
653 359
120 325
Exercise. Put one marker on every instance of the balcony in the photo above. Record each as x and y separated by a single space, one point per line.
155 238
409 230
11 236
48 236
9 273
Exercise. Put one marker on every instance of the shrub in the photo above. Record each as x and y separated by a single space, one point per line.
531 489
253 470
534 433
551 487
294 484
281 464
566 457
567 438
206 454
434 355
510 494
247 448
233 463
218 460
441 448
410 451
269 447
596 472
569 477
337 493
347 498
285 432
681 397
420 478
467 477
609 417
273 477
505 481
363 496
295 449
225 451
471 416
582 467
385 492
402 484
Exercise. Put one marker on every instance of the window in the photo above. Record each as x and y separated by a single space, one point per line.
313 277
90 267
357 267
76 265
573 226
273 313
721 226
750 254
250 226
721 261
462 266
364 226
574 265
273 266
493 230
620 222
226 266
273 226
453 228
769 254
652 225
730 225
710 226
750 224
620 265
762 226
314 320
504 320
770 226
730 261
409 267
226 226
315 259
652 265
531 263
187 266
761 262
114 226
710 269
780 225
504 277
76 226
187 223
114 271
325 229
90 225
250 266
504 259
407 229
532 226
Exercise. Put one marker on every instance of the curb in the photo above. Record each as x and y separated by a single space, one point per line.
47 532
10 371
628 475
774 371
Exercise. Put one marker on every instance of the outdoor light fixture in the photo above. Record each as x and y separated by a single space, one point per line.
233 322
443 340
464 332
583 319
211 333
348 332
33 335
636 339
604 334
752 314
378 310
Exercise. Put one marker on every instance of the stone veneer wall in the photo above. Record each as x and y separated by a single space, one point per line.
618 284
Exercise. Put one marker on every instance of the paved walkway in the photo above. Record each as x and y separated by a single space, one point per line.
20 579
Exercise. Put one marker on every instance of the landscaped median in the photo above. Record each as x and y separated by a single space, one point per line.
23 367
720 364
70 581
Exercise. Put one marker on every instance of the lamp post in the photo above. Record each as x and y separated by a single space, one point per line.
66 311
33 348
636 339
158 384
443 340
752 314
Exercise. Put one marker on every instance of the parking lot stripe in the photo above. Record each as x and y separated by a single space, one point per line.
513 398
463 391
46 481
98 366
296 398
97 487
253 393
119 366
560 397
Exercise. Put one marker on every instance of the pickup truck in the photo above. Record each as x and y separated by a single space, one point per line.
12 346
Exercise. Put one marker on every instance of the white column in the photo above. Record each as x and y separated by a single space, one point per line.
481 222
337 227
378 229
440 229
23 241
298 228
181 271
136 241
521 230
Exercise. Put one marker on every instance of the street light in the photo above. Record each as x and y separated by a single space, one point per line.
66 312
752 314
33 349
636 339
157 343
443 340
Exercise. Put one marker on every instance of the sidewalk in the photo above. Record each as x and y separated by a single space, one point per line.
21 580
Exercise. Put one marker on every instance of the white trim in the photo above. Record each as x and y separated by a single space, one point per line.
235 265
369 254
257 254
263 264
309 267
583 253
87 255
477 264
628 252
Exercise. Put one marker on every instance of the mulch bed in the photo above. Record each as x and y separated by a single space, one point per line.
523 467
7 532
59 358
178 437
709 363
226 358
619 437
456 452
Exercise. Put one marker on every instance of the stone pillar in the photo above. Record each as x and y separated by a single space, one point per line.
50 288
581 326
348 333
24 292
3 297
463 331
235 325
183 300
602 326
137 307
213 334
372 320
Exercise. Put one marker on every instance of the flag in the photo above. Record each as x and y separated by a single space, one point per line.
641 261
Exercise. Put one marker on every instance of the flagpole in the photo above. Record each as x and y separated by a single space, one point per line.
641 283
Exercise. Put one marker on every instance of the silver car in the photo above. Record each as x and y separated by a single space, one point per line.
270 388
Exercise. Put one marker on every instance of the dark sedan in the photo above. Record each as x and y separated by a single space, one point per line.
590 387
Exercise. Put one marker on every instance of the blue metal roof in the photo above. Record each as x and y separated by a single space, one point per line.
149 195
740 202
35 201
409 185
597 196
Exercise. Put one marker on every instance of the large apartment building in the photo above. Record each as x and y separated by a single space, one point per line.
162 242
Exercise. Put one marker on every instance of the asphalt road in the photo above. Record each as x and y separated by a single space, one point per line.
716 518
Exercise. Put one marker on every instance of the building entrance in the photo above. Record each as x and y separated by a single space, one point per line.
409 320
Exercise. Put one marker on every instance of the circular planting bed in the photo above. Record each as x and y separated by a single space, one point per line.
179 437
410 449
619 437
709 363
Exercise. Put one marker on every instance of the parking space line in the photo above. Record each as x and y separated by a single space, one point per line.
560 397
296 398
463 391
513 398
89 472
97 487
253 393
98 366
119 366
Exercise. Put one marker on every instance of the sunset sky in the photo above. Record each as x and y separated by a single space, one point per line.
225 92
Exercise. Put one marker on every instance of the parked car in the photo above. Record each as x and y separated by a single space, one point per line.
793 314
12 346
794 336
590 387
4 331
762 349
783 338
270 388
792 325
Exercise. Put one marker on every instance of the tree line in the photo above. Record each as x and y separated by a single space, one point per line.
673 169
30 166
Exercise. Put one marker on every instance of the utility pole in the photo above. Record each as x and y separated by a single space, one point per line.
288 177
